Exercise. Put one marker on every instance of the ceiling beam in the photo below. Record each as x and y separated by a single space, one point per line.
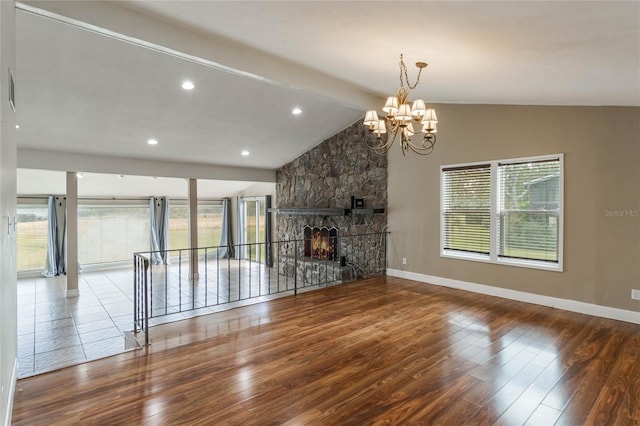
73 162
113 20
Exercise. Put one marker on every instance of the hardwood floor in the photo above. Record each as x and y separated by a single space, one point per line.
378 351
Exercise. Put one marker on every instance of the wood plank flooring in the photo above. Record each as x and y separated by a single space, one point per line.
378 351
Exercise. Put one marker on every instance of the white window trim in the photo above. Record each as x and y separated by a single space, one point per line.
493 256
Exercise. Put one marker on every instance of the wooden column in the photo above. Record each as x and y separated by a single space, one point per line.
193 228
72 235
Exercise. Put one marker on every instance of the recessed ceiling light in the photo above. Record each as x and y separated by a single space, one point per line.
296 111
152 142
17 126
188 85
79 175
245 153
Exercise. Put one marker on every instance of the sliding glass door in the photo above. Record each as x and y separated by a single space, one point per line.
252 220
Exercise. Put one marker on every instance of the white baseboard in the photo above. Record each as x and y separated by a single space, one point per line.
73 292
11 394
521 296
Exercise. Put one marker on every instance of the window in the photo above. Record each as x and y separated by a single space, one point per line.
507 211
31 235
467 208
111 233
178 226
209 224
528 210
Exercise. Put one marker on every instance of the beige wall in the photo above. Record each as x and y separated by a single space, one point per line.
602 172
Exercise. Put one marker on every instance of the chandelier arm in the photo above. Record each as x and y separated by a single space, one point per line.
378 145
381 145
382 149
389 142
425 150
392 125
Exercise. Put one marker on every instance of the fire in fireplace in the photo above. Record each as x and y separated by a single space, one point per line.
321 242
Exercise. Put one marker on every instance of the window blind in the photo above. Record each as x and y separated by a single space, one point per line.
466 208
528 210
111 233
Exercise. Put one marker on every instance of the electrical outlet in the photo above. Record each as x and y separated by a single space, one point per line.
404 260
635 294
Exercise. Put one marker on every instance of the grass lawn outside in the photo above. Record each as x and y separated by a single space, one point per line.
31 245
98 245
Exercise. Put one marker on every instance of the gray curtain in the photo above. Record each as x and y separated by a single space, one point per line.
226 237
159 211
56 237
268 255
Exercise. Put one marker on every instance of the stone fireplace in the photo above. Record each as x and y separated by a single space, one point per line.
321 242
326 177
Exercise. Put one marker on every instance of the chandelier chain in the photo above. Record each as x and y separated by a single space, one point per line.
403 73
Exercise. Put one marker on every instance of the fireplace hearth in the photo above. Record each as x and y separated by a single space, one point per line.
321 243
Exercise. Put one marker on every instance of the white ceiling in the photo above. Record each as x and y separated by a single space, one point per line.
80 91
498 52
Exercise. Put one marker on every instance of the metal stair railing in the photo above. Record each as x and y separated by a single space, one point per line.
171 290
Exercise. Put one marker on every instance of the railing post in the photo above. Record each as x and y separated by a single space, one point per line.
135 293
218 275
206 280
146 304
278 269
384 253
193 282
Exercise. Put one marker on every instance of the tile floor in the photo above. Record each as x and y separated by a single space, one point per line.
55 331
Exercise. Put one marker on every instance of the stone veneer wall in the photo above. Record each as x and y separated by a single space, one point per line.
326 177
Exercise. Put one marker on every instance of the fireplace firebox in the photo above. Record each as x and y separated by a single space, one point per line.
321 242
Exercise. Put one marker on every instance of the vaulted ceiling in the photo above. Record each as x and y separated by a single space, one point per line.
102 77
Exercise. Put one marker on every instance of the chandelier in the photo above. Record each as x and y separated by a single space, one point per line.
401 117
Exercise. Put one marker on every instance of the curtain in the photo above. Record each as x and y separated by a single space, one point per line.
226 237
56 237
159 211
268 255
